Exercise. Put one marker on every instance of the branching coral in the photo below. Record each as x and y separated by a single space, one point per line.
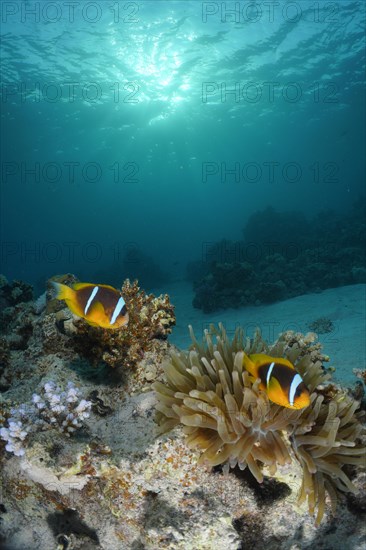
65 410
150 319
232 422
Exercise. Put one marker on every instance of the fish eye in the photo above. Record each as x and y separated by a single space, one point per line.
298 391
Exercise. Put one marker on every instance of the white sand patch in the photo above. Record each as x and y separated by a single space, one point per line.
344 306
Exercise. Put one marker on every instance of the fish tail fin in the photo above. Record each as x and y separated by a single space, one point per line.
63 292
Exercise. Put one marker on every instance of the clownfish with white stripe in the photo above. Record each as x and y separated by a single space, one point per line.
279 378
100 305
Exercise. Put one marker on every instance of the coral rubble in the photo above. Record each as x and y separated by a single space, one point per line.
232 422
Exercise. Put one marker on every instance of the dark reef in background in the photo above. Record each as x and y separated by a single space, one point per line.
282 255
14 293
139 265
134 264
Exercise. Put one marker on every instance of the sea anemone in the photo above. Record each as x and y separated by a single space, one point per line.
227 417
325 448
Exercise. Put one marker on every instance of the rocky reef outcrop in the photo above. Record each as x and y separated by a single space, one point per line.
282 255
114 483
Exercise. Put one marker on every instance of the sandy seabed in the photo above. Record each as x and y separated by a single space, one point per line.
344 306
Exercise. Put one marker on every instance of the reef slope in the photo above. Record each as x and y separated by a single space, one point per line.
114 484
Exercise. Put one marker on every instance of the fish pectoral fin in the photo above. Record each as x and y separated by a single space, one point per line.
275 392
96 314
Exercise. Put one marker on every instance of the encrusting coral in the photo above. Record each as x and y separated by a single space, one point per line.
4 353
15 315
15 293
150 320
227 417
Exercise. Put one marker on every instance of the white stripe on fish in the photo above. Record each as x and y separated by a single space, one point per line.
91 298
296 381
117 310
271 367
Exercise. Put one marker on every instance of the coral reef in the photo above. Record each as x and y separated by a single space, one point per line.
359 391
15 293
15 318
4 353
113 484
133 260
150 320
281 256
16 326
143 267
232 422
270 226
360 374
216 288
53 408
40 304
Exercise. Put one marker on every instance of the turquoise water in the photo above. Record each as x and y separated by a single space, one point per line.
162 126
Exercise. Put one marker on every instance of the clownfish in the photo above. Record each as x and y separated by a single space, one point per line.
100 305
279 378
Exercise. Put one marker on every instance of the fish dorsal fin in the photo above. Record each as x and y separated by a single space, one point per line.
283 361
79 286
275 392
249 365
109 287
253 362
261 358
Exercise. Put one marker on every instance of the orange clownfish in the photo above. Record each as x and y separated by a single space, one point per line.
280 379
100 305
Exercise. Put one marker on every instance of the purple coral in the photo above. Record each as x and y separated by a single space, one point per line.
54 407
14 435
